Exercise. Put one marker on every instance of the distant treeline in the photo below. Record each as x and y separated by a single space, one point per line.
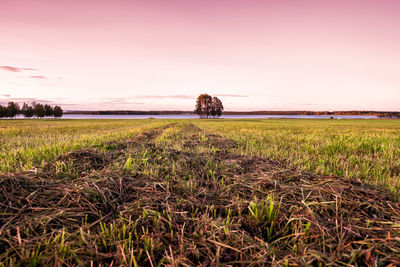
325 113
383 114
130 112
35 110
389 115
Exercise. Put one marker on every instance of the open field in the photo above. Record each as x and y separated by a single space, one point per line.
200 192
25 144
360 149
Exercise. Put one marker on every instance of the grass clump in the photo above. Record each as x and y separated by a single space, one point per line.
265 214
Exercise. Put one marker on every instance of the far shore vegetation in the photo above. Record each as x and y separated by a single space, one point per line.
380 114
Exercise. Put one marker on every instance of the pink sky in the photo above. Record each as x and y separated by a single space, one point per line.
159 55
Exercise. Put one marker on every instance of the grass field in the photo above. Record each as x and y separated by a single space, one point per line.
25 144
200 192
360 149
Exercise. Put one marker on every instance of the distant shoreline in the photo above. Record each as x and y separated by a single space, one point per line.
177 112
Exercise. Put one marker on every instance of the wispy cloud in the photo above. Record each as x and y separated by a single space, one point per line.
127 103
227 95
182 96
115 100
118 101
14 69
301 104
38 77
4 99
163 96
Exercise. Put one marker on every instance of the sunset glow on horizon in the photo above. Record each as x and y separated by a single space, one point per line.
159 55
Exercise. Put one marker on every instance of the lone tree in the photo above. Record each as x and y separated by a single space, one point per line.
207 106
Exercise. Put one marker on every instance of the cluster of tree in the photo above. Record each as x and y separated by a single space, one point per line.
207 106
35 110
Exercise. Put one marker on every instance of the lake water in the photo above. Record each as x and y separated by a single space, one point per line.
78 116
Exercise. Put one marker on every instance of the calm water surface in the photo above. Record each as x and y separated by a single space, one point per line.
77 116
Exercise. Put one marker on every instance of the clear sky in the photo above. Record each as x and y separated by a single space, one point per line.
160 54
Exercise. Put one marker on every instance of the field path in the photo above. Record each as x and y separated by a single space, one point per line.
181 196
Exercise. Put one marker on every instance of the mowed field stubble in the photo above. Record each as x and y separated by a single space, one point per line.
199 192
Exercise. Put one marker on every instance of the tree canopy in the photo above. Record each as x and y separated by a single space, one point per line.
208 106
12 109
57 112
